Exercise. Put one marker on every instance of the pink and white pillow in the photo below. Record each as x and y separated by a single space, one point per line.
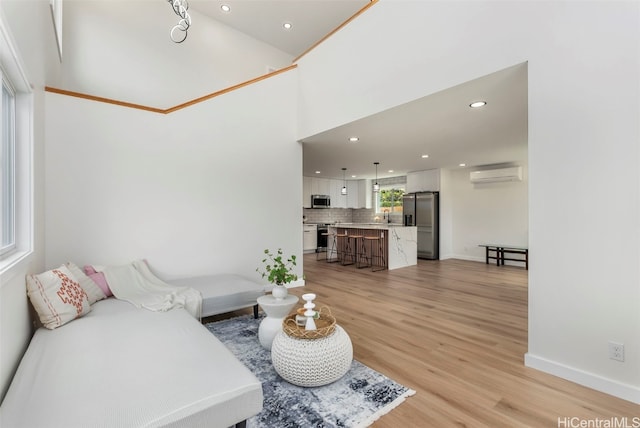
94 292
57 297
99 279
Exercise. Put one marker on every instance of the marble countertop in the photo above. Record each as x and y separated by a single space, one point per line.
369 225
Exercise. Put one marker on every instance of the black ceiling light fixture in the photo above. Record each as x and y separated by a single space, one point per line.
376 186
344 182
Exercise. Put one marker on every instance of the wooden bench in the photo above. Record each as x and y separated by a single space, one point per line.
497 253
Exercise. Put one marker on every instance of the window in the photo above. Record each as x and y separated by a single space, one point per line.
7 170
16 156
389 199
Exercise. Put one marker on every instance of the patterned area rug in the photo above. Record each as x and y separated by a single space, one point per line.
356 400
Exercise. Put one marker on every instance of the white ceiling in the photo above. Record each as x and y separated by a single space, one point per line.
262 19
440 125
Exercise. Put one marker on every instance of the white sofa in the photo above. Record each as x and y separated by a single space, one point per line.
120 366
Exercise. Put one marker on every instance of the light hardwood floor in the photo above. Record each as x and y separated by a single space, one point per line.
455 332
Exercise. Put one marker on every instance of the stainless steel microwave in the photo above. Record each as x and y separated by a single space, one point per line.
320 201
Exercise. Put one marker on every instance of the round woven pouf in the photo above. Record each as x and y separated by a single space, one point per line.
312 362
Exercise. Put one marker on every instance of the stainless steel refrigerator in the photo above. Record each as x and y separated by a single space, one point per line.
422 210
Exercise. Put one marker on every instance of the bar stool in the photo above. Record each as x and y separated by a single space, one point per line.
379 257
326 249
347 250
353 251
362 253
332 248
338 247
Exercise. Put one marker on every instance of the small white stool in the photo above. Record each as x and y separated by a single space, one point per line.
312 362
276 310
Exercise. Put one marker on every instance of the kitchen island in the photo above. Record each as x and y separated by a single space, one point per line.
399 243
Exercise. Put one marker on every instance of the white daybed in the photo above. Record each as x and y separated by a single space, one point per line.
120 366
223 293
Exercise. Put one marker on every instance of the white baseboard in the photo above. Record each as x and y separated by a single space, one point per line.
590 380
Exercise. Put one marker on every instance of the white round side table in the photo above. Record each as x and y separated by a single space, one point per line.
312 362
276 310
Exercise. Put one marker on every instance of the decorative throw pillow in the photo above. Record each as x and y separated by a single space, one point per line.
94 292
57 297
99 279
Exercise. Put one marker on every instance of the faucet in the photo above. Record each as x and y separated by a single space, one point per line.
386 215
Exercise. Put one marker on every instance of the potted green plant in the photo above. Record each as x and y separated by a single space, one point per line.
279 271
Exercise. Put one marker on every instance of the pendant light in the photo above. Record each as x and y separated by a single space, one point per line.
344 183
180 8
376 186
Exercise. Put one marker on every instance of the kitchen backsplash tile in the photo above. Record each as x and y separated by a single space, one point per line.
363 216
329 215
345 215
370 217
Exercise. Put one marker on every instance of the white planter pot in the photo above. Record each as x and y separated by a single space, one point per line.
279 292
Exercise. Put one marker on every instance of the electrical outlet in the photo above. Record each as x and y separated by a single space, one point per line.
616 351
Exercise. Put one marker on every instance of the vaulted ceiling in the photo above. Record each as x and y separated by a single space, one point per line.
310 20
441 126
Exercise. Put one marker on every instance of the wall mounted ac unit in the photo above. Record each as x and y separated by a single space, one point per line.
495 175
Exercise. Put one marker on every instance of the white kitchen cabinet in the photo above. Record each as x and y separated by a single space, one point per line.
321 186
338 200
309 237
358 192
316 186
365 193
353 194
306 192
423 181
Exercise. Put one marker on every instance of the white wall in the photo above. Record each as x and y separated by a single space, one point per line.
420 47
181 190
487 213
202 190
584 119
446 199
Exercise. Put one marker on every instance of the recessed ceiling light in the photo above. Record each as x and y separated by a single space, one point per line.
225 8
353 176
462 164
354 139
317 172
390 170
424 156
287 25
477 104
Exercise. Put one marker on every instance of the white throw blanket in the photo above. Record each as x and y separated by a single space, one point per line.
136 284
